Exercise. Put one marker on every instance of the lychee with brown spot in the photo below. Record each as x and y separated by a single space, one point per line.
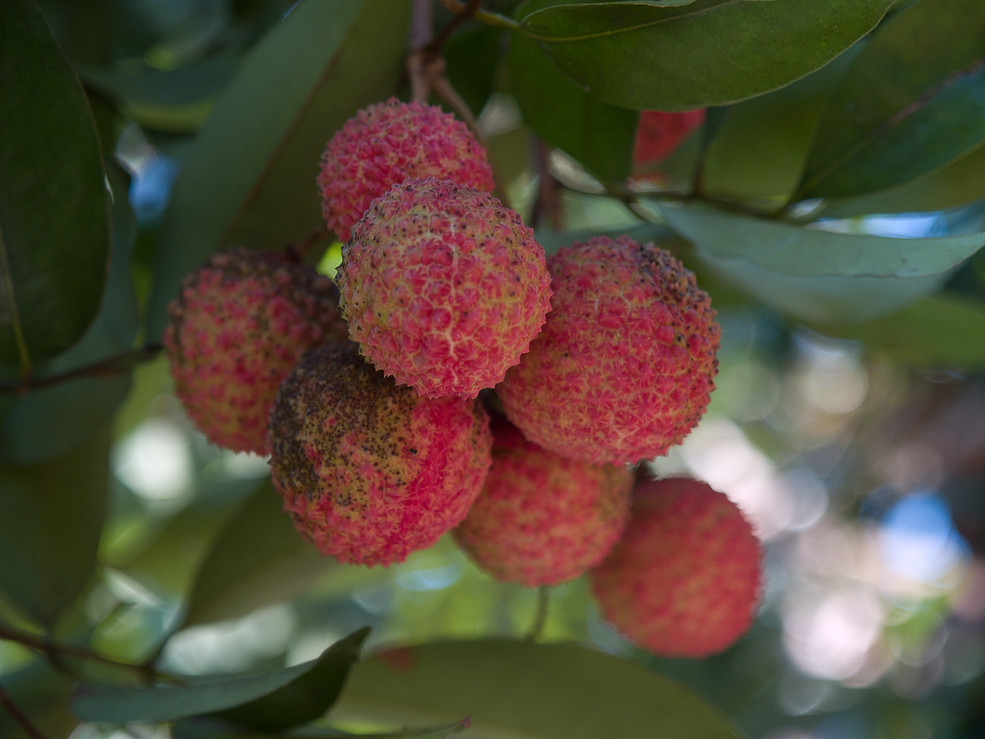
239 324
443 287
542 519
625 364
386 143
370 471
685 578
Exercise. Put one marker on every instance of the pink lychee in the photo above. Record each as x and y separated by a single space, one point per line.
659 133
237 327
684 579
370 471
443 287
625 364
386 143
542 519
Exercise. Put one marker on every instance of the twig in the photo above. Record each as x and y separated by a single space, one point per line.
540 618
104 367
548 201
18 716
483 16
56 652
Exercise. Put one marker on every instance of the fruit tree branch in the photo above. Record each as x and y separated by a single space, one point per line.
19 716
110 366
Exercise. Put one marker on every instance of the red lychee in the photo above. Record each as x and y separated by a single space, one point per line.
542 519
386 143
684 579
443 287
625 364
659 133
370 471
238 326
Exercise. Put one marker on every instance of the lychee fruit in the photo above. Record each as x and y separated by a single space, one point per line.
388 142
684 579
542 519
443 287
370 471
659 133
237 327
625 364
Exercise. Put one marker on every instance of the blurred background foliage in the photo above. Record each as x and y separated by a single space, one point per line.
847 420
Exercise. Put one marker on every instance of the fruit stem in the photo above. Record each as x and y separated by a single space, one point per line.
104 367
483 16
540 617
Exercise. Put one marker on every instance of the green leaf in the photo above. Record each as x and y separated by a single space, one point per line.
758 150
196 696
49 422
913 100
955 184
472 57
51 517
598 135
258 558
250 177
819 275
198 729
54 205
933 333
307 697
514 688
134 81
678 56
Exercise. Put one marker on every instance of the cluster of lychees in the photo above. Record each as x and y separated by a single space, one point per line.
367 397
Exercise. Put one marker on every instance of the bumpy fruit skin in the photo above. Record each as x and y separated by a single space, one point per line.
387 143
684 579
369 471
659 133
443 287
542 519
625 364
237 327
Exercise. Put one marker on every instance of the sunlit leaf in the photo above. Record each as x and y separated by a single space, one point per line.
819 275
195 696
913 100
50 421
54 205
596 134
678 56
514 688
250 177
51 516
258 558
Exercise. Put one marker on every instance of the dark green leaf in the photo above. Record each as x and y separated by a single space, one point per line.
913 100
953 185
54 206
472 57
196 696
674 56
51 516
307 697
257 559
937 332
50 421
597 134
759 147
134 81
250 178
514 688
819 275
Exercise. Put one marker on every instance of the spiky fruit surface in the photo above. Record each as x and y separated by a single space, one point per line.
237 327
369 471
684 579
542 519
443 287
625 363
659 133
387 143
